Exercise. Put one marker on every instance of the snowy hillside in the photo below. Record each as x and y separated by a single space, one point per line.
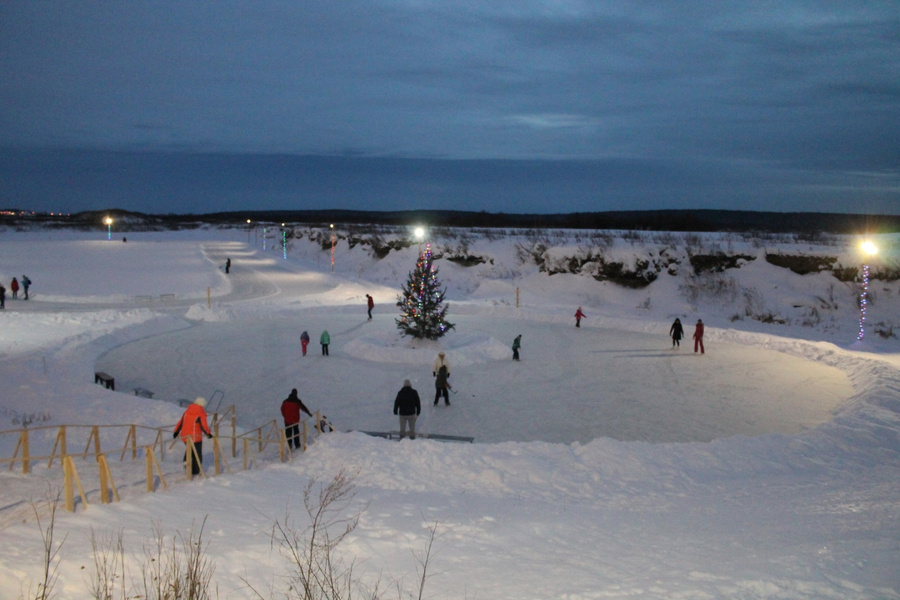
606 464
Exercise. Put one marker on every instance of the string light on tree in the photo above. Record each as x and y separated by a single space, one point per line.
332 247
422 309
869 249
283 242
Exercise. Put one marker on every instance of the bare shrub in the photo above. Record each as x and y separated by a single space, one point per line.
50 548
317 570
108 571
173 573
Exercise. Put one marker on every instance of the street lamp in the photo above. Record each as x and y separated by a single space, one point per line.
869 249
420 234
108 222
248 232
332 247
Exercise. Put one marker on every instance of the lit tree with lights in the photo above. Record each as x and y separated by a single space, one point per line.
422 308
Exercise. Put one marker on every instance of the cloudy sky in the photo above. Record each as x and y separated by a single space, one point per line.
512 106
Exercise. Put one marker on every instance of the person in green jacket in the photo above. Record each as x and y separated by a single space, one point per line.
325 339
517 343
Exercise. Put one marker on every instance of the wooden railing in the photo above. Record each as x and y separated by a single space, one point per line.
151 442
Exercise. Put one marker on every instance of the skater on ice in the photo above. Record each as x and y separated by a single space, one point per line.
408 407
441 373
676 332
517 343
325 340
698 337
304 341
578 317
370 303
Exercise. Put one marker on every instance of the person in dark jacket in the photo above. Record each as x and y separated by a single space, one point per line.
370 304
517 344
676 332
2 297
441 373
290 410
227 265
408 406
26 283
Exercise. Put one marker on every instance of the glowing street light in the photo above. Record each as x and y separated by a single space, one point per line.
332 247
108 222
419 232
869 249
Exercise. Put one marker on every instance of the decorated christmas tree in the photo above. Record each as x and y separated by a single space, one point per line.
422 308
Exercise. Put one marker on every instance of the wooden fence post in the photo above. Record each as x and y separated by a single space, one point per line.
151 463
246 452
132 436
303 435
95 436
106 481
26 452
59 443
233 435
71 476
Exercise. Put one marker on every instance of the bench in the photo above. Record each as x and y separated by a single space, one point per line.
105 379
139 391
167 298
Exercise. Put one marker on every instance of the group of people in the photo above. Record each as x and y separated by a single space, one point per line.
324 341
14 290
676 332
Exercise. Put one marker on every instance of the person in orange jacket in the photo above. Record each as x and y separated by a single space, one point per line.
192 427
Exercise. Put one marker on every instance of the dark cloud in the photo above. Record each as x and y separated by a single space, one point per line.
798 95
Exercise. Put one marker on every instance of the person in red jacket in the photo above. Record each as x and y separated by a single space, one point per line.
14 288
290 410
370 303
698 336
192 427
578 317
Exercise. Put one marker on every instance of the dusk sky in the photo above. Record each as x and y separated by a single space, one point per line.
502 106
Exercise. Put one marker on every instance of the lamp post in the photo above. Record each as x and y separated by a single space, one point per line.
108 222
868 249
420 234
332 247
248 232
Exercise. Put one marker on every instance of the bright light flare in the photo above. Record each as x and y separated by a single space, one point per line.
869 248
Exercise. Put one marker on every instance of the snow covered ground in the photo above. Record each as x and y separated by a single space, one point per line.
605 463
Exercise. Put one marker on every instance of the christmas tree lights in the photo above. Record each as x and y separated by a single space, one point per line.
422 308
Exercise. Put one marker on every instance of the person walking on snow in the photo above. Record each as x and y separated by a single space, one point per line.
26 283
325 339
578 317
304 341
408 406
676 332
2 297
290 410
698 337
192 427
370 303
14 288
227 265
441 373
517 343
